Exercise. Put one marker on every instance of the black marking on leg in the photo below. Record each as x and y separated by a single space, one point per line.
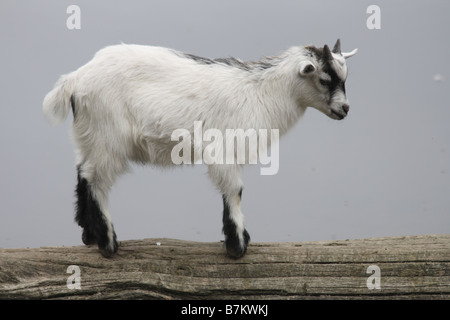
232 241
81 209
90 218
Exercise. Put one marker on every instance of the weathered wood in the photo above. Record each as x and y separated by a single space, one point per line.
412 267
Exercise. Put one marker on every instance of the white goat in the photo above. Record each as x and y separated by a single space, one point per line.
128 100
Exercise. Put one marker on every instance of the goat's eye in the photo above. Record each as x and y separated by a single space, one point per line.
324 82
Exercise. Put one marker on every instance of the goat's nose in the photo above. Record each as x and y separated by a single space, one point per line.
346 108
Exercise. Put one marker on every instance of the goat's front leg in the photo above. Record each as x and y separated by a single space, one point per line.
236 236
227 179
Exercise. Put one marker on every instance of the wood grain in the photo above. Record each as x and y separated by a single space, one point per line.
412 267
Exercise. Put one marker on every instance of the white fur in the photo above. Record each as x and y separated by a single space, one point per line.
129 99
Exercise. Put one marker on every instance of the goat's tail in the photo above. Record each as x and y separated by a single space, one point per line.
57 102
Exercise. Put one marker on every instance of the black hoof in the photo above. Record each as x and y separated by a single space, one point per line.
234 248
108 251
88 238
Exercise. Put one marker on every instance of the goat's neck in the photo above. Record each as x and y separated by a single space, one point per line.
278 103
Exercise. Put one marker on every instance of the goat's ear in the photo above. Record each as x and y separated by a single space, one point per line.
327 56
307 68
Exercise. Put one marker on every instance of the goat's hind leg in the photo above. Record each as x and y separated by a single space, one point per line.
93 216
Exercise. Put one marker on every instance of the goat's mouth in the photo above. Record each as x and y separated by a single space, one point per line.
336 115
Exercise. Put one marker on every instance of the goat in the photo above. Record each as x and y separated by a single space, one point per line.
128 100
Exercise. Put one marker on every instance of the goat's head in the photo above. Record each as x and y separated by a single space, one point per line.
324 72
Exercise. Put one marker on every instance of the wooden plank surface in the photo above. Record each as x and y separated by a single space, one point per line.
410 267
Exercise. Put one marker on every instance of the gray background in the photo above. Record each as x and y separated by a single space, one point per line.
382 171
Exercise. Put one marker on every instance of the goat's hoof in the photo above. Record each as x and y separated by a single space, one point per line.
109 250
106 253
234 248
236 253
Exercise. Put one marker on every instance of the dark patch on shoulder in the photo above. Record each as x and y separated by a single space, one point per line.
259 65
199 59
233 62
262 64
265 63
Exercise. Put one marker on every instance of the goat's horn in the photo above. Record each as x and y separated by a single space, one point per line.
349 54
337 47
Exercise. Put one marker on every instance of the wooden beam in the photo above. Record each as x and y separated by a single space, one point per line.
411 267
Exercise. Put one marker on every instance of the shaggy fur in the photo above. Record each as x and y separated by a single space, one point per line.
129 99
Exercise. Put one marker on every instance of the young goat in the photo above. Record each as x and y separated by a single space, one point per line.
128 100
